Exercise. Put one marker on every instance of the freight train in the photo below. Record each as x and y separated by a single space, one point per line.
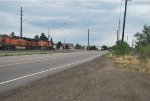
10 43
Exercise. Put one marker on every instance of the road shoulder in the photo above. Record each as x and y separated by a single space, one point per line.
97 80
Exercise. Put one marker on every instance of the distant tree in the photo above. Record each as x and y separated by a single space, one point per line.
143 42
43 37
59 44
78 46
12 34
104 47
37 38
17 37
92 47
144 37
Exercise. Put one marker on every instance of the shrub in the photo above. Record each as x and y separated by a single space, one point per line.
122 48
143 51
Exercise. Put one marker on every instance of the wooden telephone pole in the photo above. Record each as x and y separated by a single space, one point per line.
88 40
124 21
21 23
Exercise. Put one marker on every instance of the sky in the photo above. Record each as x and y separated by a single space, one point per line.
70 20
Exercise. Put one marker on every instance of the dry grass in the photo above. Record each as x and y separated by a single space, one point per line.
131 62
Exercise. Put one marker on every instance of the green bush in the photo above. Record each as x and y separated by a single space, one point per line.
143 42
143 51
148 50
122 48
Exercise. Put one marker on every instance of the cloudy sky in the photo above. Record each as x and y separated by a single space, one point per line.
70 19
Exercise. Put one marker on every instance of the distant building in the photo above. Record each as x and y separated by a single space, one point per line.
64 46
55 46
68 46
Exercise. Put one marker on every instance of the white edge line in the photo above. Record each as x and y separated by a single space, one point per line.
47 70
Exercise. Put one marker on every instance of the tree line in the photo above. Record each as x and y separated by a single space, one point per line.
142 47
78 46
42 37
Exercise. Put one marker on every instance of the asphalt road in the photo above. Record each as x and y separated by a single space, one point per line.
16 71
97 80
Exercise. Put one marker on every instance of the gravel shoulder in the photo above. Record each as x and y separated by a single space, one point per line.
97 80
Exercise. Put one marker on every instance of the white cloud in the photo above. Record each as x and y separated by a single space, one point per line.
101 16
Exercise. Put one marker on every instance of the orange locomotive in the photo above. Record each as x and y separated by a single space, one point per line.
8 43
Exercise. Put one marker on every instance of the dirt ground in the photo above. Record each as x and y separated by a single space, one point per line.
97 80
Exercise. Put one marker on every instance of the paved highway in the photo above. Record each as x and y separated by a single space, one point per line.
17 71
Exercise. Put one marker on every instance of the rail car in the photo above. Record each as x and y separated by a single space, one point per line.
9 43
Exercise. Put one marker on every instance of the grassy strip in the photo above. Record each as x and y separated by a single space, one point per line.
129 62
31 52
18 53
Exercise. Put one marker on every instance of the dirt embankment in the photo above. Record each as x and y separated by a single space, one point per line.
97 80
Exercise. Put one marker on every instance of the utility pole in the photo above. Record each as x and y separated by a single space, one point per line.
48 35
119 31
88 39
124 22
21 23
117 35
119 23
64 43
132 43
